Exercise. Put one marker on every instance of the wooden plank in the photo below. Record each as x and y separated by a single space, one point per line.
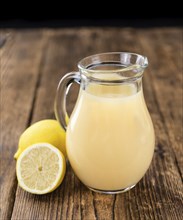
159 194
166 58
147 206
172 183
20 60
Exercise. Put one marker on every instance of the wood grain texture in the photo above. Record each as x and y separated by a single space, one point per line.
18 80
159 195
168 82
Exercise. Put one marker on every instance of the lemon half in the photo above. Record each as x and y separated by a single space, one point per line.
40 168
48 131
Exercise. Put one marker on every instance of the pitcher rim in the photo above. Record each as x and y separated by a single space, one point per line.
138 67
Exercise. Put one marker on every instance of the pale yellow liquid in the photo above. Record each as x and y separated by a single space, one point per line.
110 137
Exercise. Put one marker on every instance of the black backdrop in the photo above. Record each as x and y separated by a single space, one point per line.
24 22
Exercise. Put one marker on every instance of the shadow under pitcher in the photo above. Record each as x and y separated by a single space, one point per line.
110 136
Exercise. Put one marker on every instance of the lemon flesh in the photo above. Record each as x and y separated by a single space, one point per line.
48 131
40 168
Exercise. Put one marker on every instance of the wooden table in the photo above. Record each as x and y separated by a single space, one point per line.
32 63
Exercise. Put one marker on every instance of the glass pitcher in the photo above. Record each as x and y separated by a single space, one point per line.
110 137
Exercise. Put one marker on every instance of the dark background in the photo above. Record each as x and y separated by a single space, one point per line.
125 13
139 19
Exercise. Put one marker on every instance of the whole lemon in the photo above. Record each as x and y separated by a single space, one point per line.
47 131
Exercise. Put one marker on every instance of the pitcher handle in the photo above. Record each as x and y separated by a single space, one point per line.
60 99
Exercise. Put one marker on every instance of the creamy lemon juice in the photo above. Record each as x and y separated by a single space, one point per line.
110 137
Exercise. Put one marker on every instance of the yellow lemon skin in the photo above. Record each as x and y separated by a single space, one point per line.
48 131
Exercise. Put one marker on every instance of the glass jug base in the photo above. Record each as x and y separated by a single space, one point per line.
111 192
